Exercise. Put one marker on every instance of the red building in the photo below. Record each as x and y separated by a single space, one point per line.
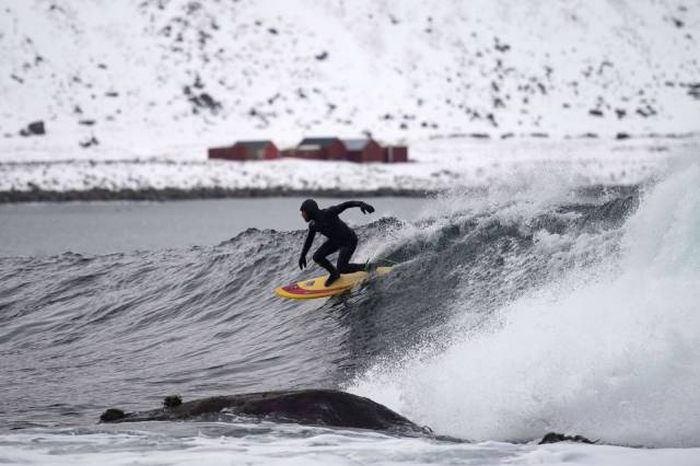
363 150
330 148
327 148
246 150
393 154
304 152
318 149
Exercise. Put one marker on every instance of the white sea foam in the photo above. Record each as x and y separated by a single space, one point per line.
609 352
295 445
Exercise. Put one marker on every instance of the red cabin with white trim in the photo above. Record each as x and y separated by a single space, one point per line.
363 150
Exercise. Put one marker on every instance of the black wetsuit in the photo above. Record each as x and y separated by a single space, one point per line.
340 236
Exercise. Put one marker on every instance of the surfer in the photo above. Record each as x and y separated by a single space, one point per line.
340 237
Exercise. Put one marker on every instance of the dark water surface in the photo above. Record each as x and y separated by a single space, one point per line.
79 333
104 227
185 306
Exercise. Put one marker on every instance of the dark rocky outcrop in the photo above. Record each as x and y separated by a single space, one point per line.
554 437
112 415
172 401
92 141
694 90
35 128
316 407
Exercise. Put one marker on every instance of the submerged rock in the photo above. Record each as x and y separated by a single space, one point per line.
172 401
112 415
317 407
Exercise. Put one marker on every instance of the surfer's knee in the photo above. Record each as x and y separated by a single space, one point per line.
318 258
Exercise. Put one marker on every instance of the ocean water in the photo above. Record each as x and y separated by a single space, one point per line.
48 229
524 309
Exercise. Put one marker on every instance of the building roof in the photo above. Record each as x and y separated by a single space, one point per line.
323 142
255 145
355 144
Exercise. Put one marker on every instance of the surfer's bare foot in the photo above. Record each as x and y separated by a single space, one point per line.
331 278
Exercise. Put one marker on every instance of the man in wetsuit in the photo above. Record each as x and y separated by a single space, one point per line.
340 237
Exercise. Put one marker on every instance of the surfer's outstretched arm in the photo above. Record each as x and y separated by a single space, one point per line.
364 207
307 245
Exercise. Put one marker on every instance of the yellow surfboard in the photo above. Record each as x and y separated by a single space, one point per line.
314 288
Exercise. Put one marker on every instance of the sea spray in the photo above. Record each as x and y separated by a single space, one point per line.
608 351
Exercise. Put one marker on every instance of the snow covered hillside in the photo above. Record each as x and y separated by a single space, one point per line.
137 79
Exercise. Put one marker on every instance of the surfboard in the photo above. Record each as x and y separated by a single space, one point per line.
315 288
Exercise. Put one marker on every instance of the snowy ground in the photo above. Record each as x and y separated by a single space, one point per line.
132 93
437 165
139 75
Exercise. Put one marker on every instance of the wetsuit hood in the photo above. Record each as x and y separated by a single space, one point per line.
310 207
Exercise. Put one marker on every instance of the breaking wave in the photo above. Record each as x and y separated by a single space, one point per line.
508 314
606 348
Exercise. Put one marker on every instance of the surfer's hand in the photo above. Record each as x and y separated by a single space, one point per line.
366 208
302 262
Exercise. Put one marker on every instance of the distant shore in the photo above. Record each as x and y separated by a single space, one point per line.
438 166
175 194
178 194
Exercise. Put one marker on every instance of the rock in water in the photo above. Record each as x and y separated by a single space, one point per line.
112 415
317 407
172 401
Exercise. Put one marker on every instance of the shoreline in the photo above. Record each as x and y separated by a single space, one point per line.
179 194
182 194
